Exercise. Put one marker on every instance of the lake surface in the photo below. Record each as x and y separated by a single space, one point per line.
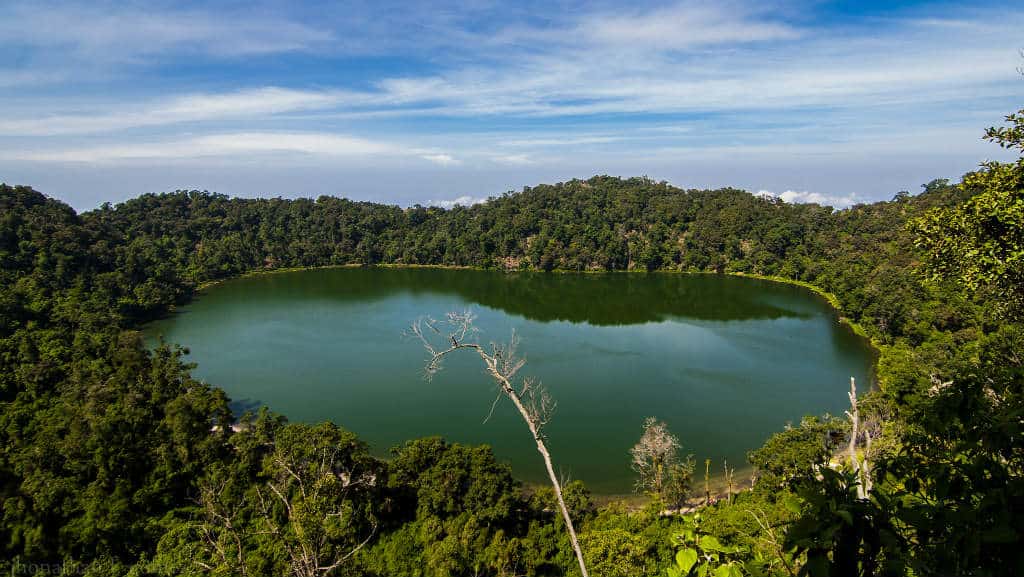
725 361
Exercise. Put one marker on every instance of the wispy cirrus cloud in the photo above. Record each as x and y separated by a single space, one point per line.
609 63
228 145
684 26
485 89
441 159
250 103
822 71
125 32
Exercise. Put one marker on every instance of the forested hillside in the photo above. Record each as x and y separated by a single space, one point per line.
115 461
172 242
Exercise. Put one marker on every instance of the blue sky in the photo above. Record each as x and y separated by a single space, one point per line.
433 102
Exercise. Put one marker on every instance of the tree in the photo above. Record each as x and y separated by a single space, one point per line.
319 479
795 451
452 510
305 512
655 458
679 482
533 402
980 244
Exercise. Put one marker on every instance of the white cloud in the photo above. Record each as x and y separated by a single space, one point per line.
678 26
882 73
682 26
220 145
122 33
513 159
563 141
460 201
805 197
259 102
441 159
627 64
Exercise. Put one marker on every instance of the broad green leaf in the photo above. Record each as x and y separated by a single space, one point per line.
710 543
686 559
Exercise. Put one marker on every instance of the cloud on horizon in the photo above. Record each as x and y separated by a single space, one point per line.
806 197
464 200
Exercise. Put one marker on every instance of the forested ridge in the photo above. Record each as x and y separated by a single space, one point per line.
115 461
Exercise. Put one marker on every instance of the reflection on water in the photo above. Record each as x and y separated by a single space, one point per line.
724 360
598 299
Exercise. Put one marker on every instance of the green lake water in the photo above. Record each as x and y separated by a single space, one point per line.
725 361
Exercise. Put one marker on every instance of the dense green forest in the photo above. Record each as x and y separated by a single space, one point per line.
115 461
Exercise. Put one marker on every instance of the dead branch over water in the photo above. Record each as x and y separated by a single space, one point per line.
534 403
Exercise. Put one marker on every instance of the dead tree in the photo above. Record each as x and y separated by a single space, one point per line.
654 455
861 467
870 429
532 401
864 465
219 532
729 478
707 481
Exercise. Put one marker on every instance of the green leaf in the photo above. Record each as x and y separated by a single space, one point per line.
710 543
686 559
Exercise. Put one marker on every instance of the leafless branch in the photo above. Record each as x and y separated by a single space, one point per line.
502 362
493 405
769 535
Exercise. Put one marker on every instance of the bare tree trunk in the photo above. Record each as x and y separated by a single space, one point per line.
542 448
854 415
865 465
707 481
728 480
502 365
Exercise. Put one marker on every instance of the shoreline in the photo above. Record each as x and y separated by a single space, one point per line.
831 298
631 500
636 501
